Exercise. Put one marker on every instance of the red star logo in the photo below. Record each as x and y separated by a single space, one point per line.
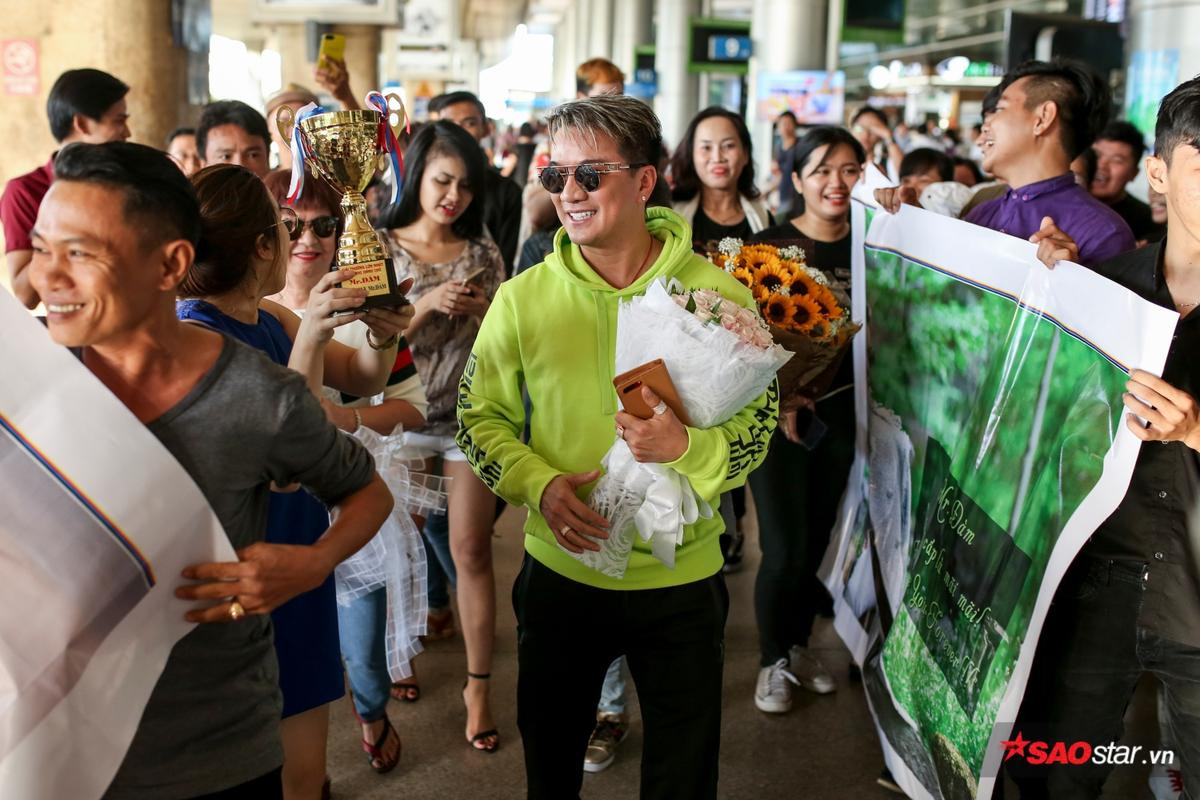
1015 747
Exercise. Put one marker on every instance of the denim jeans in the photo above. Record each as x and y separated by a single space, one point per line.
442 575
612 694
362 629
1090 656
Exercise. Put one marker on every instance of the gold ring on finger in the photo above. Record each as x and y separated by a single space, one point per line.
236 611
564 530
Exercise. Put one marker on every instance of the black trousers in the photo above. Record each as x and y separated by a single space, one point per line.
674 642
797 493
265 787
1090 656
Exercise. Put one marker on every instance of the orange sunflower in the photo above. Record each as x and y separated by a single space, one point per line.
755 255
803 285
829 304
779 311
744 276
772 275
806 314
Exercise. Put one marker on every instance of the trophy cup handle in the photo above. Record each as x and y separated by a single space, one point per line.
285 121
397 114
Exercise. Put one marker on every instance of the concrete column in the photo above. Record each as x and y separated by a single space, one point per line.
786 35
566 56
600 35
291 42
678 97
362 57
632 27
1157 25
130 39
583 25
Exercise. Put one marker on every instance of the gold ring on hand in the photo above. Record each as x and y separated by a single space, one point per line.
236 611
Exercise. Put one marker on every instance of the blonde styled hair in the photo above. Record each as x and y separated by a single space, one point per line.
630 123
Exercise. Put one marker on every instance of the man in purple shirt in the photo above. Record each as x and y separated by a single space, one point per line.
1047 115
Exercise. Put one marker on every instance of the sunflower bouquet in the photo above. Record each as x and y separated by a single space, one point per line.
806 314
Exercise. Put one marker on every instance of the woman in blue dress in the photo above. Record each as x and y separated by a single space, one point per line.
241 259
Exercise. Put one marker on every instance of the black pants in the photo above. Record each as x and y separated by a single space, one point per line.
673 639
267 787
797 493
1090 656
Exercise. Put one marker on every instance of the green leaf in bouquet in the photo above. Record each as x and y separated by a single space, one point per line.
691 305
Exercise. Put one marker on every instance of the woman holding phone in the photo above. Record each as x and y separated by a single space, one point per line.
798 488
437 237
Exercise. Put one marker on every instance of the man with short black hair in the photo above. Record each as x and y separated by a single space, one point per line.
231 132
181 147
1048 113
115 235
1130 602
501 196
1119 149
85 105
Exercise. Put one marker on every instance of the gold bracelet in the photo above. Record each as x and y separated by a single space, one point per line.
387 344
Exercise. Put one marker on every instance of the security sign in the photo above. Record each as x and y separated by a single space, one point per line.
20 57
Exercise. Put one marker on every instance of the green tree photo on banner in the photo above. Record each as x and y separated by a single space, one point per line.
979 367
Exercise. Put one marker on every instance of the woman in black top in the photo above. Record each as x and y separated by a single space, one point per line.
797 490
713 168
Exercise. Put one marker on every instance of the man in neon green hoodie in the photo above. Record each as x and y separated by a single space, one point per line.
552 330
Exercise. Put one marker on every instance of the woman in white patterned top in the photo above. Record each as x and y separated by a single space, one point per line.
438 239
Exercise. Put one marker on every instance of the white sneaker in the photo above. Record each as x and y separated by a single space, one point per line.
810 672
773 694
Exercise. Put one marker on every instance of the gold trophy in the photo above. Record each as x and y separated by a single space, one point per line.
345 148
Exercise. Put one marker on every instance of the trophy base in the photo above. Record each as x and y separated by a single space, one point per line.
378 278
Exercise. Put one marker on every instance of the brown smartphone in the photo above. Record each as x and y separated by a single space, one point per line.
472 276
655 375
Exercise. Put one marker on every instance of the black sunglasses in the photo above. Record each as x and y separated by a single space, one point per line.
323 227
554 178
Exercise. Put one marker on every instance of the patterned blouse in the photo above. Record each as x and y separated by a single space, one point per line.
441 348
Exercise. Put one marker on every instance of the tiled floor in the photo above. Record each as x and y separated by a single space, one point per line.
825 748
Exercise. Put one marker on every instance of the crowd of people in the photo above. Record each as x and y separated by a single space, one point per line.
166 269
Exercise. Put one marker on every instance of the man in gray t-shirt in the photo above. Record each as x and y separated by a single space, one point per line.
114 237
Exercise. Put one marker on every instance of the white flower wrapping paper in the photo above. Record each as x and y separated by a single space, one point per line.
394 558
717 375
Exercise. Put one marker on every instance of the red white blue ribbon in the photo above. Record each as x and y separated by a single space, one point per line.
299 151
387 141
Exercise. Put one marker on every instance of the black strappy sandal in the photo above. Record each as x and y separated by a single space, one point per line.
479 738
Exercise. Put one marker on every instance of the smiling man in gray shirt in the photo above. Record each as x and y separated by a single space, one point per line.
114 237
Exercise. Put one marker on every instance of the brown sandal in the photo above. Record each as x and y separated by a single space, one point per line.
375 752
439 626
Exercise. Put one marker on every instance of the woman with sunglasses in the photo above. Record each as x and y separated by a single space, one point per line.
437 236
362 624
241 259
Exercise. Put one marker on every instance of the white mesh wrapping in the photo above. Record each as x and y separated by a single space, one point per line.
395 557
716 375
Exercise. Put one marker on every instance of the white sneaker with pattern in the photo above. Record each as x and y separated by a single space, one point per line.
773 693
